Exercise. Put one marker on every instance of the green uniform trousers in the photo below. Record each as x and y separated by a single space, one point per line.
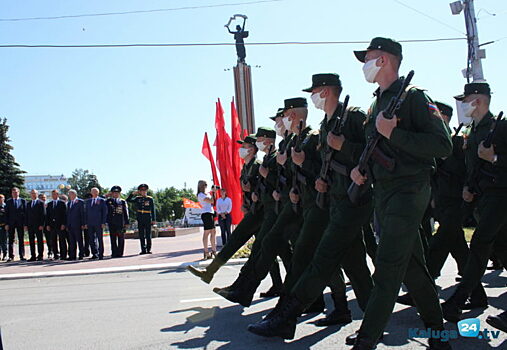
249 226
341 244
284 229
491 229
270 217
399 207
449 237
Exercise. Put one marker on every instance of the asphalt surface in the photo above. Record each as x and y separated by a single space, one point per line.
175 310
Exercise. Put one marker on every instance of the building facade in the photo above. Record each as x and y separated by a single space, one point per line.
45 183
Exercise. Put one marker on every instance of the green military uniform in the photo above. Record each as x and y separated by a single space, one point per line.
447 185
401 198
314 219
490 185
342 242
145 212
249 225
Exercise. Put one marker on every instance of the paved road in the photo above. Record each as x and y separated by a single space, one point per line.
174 310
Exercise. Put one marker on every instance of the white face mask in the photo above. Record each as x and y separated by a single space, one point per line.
468 109
465 110
287 123
279 130
370 70
318 101
243 153
261 146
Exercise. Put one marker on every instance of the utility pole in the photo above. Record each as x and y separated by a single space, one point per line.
475 53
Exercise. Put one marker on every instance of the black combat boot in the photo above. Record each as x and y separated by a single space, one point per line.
283 324
243 294
206 275
271 292
340 315
498 321
451 309
353 338
317 306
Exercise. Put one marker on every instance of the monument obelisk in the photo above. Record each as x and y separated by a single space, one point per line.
242 78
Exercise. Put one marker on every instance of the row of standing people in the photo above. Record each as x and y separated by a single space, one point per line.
72 227
321 191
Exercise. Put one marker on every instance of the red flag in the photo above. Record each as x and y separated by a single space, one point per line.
206 150
225 156
236 162
187 203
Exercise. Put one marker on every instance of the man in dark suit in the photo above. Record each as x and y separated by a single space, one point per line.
75 225
35 224
55 223
96 216
47 234
86 236
15 212
117 220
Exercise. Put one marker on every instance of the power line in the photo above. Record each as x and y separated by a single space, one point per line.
217 44
430 17
134 12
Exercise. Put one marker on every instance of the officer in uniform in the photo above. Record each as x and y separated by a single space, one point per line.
117 220
486 185
412 138
342 241
145 210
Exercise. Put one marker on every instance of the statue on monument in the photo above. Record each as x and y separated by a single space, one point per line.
239 35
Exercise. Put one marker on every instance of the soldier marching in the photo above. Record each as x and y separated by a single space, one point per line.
312 202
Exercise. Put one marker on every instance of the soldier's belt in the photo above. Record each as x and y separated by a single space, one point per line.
144 211
383 160
339 168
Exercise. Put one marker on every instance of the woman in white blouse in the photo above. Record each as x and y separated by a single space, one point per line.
208 219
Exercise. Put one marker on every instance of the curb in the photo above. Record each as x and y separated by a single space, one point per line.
117 269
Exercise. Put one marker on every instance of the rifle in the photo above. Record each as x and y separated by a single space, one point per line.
336 129
258 185
297 148
282 149
457 130
355 191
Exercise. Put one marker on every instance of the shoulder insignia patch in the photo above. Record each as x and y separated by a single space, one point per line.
434 111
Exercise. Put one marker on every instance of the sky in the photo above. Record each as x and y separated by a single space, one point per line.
138 115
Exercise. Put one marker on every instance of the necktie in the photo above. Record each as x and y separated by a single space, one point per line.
54 203
33 203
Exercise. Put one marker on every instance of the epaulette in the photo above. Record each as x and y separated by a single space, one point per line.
314 132
149 197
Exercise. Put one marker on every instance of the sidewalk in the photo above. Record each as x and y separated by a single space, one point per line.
168 253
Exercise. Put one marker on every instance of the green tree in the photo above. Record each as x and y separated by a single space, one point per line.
10 173
83 181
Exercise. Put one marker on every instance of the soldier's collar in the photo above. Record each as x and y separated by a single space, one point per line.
395 86
485 120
